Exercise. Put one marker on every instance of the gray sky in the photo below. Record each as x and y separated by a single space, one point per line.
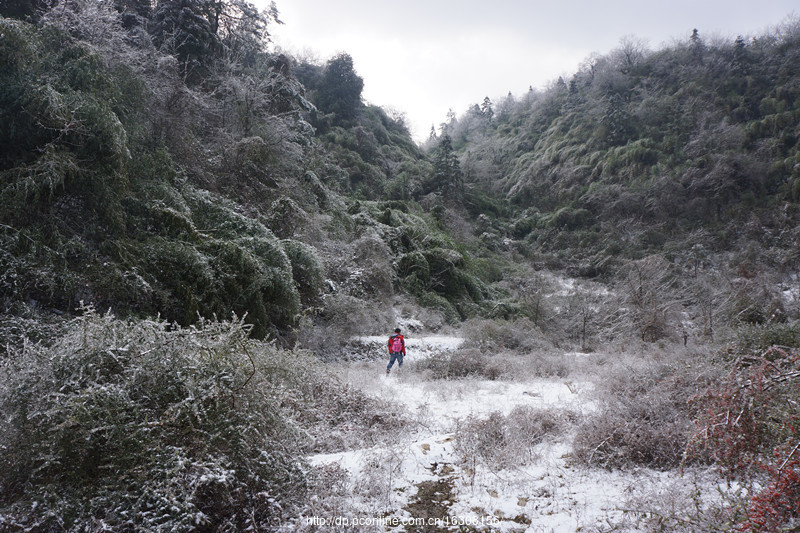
422 58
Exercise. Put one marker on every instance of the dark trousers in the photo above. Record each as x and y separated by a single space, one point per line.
395 356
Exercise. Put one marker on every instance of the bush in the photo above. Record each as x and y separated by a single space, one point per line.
755 338
520 335
34 270
59 118
755 301
307 271
643 419
143 426
346 418
505 441
439 303
375 274
348 316
443 265
750 427
570 219
22 324
286 217
415 264
463 364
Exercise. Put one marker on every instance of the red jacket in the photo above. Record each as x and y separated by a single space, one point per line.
402 341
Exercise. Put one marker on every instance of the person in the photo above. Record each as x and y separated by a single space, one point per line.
397 350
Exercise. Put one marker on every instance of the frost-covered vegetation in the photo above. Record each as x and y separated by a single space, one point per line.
628 234
140 425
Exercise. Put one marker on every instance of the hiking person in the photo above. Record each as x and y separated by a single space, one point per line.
397 349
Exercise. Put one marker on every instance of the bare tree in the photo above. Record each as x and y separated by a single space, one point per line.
630 53
581 312
649 291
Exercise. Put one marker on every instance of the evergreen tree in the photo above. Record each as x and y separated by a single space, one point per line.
739 61
198 32
486 108
180 28
697 46
447 175
134 12
340 89
616 121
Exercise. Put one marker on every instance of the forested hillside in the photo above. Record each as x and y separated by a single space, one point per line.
192 223
691 146
166 166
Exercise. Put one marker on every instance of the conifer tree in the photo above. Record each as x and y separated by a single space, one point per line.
486 108
739 62
179 28
447 175
616 121
697 46
197 32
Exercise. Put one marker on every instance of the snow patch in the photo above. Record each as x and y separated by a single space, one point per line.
446 404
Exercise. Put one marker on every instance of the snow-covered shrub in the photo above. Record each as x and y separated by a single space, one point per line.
441 305
21 324
330 495
346 418
286 218
644 418
754 298
461 364
66 132
753 338
520 335
142 426
472 363
374 275
692 502
346 316
506 441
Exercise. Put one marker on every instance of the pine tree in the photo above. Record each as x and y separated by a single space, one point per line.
486 108
447 175
697 46
739 61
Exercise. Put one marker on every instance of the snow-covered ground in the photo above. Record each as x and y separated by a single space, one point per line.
550 493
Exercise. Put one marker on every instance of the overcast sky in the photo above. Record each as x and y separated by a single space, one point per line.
423 57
